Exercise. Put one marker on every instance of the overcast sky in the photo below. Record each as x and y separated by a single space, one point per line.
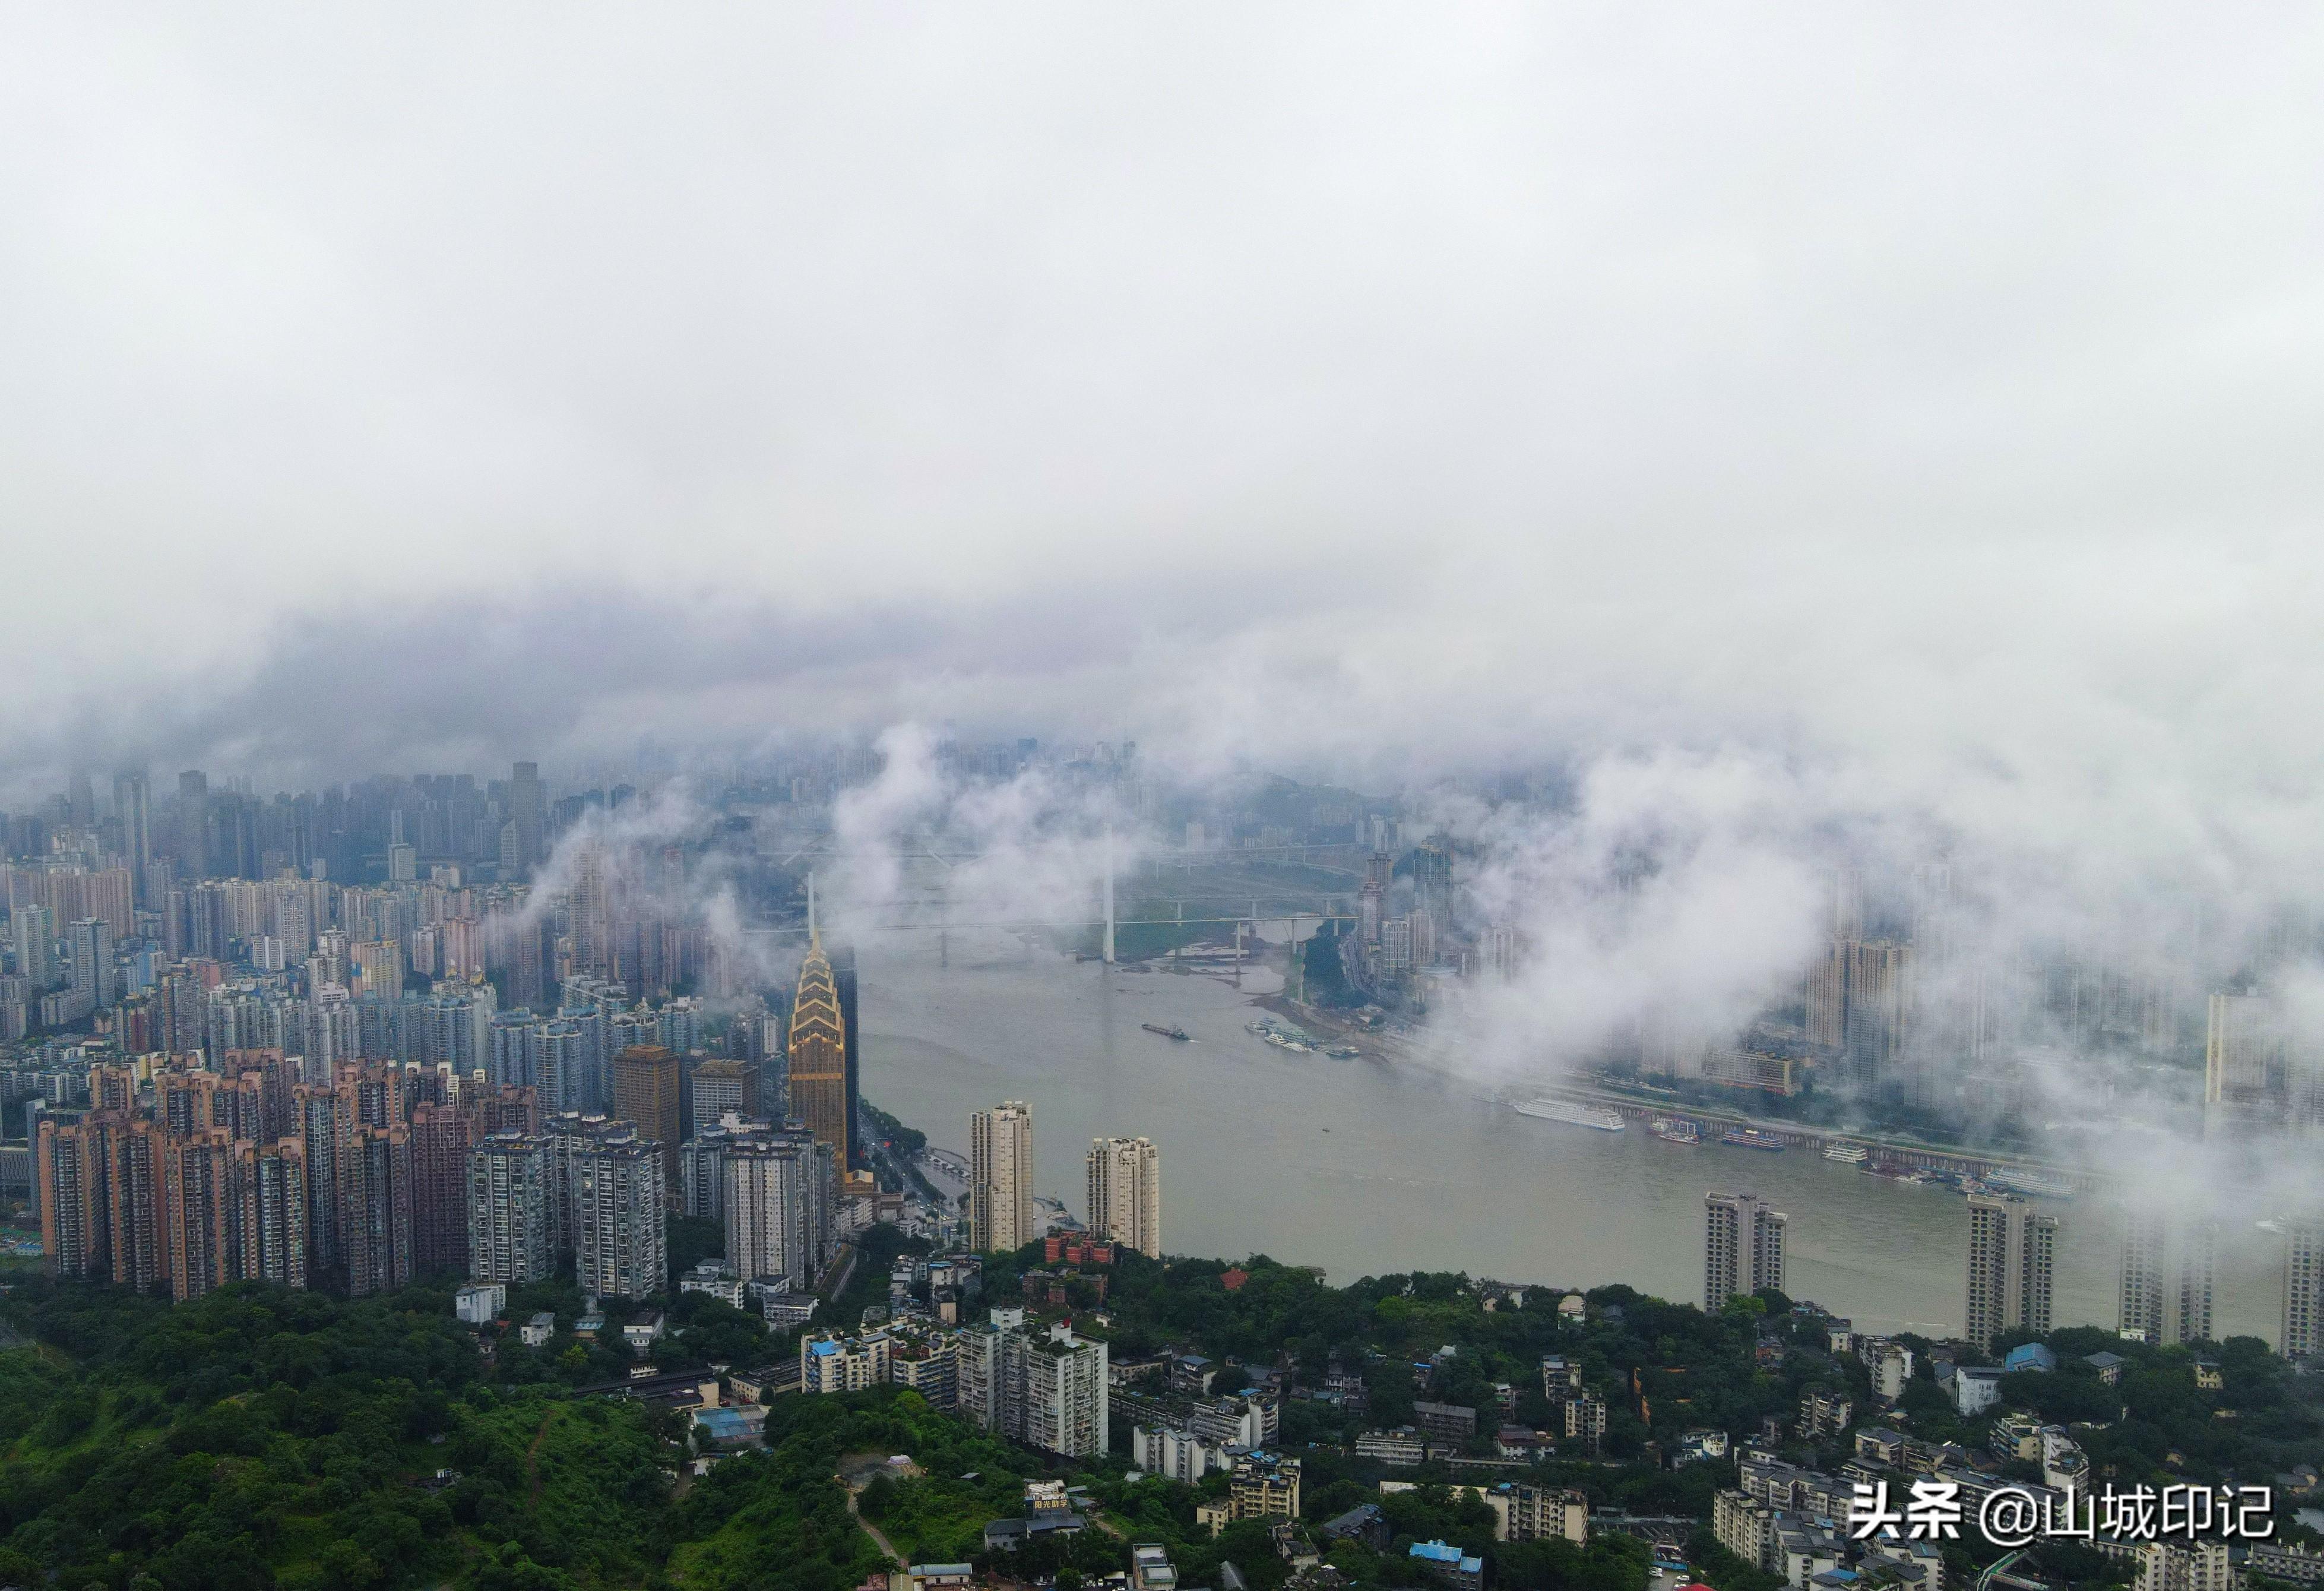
1929 398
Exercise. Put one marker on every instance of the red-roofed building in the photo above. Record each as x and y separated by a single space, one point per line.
1233 1276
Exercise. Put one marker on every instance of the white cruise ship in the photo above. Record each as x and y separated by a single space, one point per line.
1846 1154
1567 1110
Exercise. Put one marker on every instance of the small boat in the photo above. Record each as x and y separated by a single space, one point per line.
1180 1034
1846 1154
1753 1138
1568 1111
1343 1052
1671 1132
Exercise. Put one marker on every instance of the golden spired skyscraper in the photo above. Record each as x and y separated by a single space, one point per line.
818 1046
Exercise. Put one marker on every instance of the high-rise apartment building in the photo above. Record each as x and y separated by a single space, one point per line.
591 911
776 1205
35 935
527 814
1125 1193
2144 1313
133 805
2199 1242
818 1052
1063 1407
1742 1246
1001 1177
193 824
2012 1263
1048 1389
2246 1089
2303 1287
619 1189
510 1190
92 973
375 1234
714 1091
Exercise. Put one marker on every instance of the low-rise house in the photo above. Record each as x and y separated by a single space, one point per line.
1150 1568
1976 1389
1364 1523
1400 1445
535 1332
729 1427
478 1303
1264 1486
1881 1444
1448 1566
717 1278
2028 1356
1824 1412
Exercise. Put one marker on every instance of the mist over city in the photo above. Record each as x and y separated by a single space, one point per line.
699 701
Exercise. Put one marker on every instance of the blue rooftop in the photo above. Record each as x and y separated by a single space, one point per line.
1436 1552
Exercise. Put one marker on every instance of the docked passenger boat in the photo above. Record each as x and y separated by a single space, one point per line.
1846 1154
1753 1138
1675 1132
1571 1112
2039 1184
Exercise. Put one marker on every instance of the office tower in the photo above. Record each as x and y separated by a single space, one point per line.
843 984
619 1191
818 1054
1742 1247
776 1197
193 824
35 931
509 1193
645 1092
2244 1079
2012 1259
714 1091
442 1136
91 943
1125 1193
528 812
2144 1247
2303 1286
1000 1178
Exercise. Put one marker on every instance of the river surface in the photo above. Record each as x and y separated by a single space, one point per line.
1368 1167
